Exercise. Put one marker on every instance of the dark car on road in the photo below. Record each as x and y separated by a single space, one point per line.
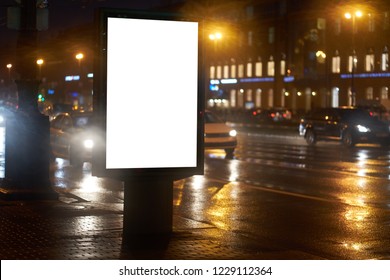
271 115
73 137
349 125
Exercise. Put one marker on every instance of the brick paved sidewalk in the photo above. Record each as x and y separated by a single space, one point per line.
73 231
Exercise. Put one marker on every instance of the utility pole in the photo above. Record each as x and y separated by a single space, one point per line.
27 143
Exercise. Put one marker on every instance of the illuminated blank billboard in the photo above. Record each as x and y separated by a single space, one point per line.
149 93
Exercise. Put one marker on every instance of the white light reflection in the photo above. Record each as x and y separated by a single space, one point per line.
233 168
197 181
89 184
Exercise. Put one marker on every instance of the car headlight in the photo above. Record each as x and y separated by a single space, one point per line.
1 119
233 133
362 128
88 143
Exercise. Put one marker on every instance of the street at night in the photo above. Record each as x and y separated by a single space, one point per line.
281 198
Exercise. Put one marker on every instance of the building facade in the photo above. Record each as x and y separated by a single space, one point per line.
298 54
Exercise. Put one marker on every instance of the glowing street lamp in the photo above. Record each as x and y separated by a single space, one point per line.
352 17
9 66
215 36
79 57
40 62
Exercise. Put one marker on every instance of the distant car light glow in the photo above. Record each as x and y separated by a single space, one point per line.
362 128
233 133
88 143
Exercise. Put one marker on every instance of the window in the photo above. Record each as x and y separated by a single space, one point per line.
371 23
282 67
226 71
386 21
219 72
212 72
337 27
271 67
249 69
352 63
258 98
384 93
370 93
370 62
271 35
233 70
336 64
385 60
241 70
259 69
250 38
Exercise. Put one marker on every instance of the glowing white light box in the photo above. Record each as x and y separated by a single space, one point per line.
151 93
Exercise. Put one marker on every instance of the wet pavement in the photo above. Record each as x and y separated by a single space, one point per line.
85 230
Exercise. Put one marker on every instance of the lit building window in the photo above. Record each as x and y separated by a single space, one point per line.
259 69
241 70
385 60
212 72
233 70
370 62
249 97
352 63
370 93
219 72
384 93
282 67
233 100
271 67
249 69
226 71
336 64
258 98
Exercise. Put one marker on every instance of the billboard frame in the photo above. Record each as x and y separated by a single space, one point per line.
100 96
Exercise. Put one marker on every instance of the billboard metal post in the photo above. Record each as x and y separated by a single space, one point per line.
148 211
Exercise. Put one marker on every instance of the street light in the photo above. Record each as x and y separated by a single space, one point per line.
9 66
352 17
40 61
79 57
215 36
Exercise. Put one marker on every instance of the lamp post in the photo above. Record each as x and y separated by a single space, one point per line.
352 17
9 66
79 57
40 61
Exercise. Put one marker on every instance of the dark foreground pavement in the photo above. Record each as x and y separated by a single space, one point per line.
64 230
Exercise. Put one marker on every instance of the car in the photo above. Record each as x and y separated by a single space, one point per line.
218 135
271 115
72 136
350 125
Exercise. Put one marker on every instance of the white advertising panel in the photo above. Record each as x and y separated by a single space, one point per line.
152 94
